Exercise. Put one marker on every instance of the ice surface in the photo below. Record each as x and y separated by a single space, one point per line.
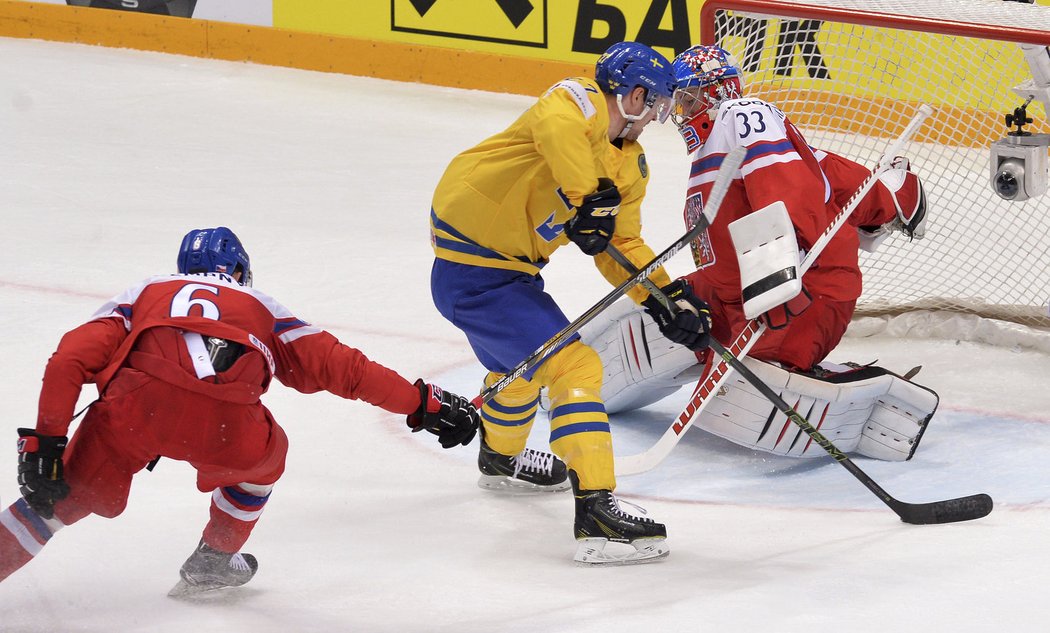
109 156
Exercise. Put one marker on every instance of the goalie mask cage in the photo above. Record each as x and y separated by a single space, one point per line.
851 73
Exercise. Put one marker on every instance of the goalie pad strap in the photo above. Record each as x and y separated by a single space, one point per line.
769 282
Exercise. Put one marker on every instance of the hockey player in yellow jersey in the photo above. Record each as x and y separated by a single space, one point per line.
569 169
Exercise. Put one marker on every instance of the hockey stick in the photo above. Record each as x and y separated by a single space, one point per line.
948 511
730 165
709 384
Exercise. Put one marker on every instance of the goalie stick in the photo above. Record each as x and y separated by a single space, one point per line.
730 165
947 511
720 371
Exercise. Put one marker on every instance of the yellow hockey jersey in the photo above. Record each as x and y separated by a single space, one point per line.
504 202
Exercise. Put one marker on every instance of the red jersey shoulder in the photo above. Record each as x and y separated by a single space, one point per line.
210 296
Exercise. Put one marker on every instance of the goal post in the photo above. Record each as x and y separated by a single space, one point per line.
850 74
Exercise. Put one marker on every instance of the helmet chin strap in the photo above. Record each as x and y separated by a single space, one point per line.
626 128
629 118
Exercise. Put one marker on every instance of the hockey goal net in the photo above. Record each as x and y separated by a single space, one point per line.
851 73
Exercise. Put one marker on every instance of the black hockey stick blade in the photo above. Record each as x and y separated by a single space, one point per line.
948 511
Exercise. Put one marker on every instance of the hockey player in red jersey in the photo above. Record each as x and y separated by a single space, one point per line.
780 167
783 197
180 362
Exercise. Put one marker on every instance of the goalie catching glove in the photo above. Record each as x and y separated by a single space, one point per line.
691 325
40 473
909 202
450 417
595 221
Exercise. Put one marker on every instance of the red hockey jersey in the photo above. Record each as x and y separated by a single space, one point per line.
779 165
298 354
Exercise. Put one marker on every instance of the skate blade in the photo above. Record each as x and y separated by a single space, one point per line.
185 590
509 485
600 552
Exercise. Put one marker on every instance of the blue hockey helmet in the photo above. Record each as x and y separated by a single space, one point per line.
629 65
214 251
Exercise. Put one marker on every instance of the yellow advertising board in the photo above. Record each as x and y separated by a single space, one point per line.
501 45
573 31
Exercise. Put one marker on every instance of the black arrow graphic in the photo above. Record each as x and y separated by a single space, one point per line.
515 10
422 6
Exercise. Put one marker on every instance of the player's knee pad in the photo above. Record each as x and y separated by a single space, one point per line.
867 410
507 418
640 365
575 366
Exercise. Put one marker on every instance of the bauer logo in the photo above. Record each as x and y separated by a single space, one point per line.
516 22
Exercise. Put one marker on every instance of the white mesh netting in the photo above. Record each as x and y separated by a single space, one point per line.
852 87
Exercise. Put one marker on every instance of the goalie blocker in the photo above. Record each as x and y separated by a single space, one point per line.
867 410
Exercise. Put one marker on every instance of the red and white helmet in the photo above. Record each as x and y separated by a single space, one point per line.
705 76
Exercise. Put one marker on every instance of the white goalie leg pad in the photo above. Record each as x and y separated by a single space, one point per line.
897 421
767 252
867 410
640 365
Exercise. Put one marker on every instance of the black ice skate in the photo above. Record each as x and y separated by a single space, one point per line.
528 471
606 535
208 569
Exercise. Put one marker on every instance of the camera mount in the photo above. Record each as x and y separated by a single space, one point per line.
1019 164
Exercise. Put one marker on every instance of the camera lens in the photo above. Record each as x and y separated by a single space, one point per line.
1006 185
1009 179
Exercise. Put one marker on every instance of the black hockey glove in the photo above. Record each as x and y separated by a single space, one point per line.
450 417
595 221
691 325
40 475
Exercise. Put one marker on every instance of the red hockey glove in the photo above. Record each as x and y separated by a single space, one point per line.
450 417
781 315
40 473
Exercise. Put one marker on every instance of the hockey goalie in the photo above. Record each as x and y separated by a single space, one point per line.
748 266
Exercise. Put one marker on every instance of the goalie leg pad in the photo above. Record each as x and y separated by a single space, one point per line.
868 410
898 421
640 365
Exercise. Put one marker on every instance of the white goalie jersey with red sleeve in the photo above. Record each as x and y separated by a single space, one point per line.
779 166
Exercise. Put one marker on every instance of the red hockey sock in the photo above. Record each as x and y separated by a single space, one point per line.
234 511
22 535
